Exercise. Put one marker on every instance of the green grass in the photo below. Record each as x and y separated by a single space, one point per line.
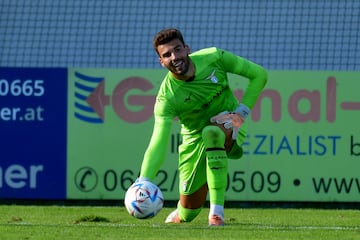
65 222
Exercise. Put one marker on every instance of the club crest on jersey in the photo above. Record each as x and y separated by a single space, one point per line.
212 77
184 186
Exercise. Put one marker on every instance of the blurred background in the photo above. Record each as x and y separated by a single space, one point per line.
289 34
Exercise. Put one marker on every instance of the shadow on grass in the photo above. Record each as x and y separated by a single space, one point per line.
91 218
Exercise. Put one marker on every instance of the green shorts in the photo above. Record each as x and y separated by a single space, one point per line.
192 161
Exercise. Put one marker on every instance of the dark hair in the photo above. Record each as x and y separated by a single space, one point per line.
167 35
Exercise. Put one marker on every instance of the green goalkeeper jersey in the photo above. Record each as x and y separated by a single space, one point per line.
195 102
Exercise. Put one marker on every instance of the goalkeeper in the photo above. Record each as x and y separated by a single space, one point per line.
213 122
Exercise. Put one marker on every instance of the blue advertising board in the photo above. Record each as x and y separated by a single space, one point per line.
33 105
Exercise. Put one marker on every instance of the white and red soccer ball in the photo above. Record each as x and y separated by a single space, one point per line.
144 200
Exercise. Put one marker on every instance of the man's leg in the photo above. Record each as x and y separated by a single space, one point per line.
189 206
217 169
192 181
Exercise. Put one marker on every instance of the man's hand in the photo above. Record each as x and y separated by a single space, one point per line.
232 120
229 120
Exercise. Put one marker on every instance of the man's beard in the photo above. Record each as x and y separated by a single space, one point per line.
180 67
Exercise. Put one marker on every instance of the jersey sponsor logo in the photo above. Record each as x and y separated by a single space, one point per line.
188 98
205 105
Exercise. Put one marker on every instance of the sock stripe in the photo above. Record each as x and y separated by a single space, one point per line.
215 149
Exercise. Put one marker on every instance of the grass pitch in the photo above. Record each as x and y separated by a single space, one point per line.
65 222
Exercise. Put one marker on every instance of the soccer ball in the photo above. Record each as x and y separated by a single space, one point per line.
143 200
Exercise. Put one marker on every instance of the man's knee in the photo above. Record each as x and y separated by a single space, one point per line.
213 137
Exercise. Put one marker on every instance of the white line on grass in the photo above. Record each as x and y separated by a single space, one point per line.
245 226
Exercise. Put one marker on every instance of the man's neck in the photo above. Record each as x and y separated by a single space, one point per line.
188 76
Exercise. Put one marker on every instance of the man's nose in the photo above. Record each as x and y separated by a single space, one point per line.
174 56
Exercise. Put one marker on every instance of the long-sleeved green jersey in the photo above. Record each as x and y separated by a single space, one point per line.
195 102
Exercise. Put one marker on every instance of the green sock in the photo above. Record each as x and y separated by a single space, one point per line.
216 171
217 163
187 215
